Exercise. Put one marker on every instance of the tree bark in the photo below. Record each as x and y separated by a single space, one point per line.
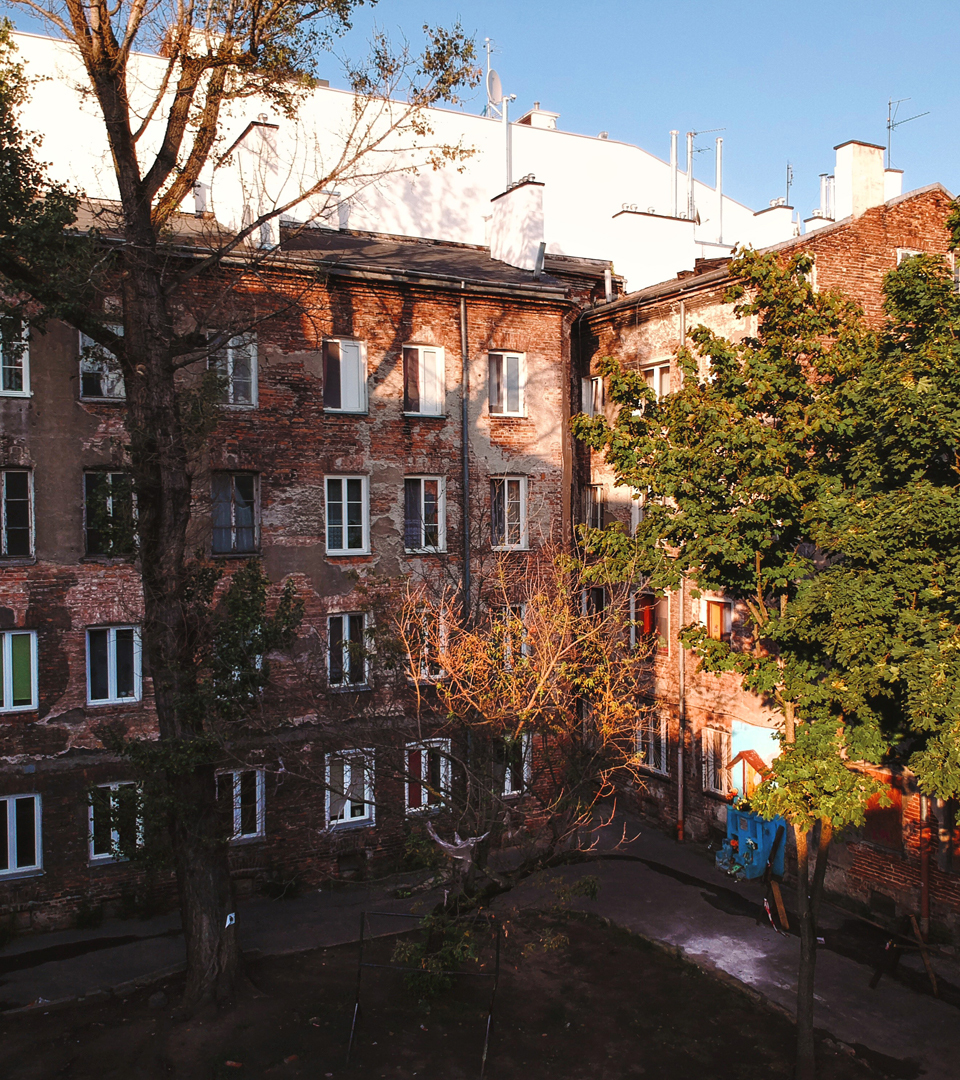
806 1059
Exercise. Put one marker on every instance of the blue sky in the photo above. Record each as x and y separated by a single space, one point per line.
788 81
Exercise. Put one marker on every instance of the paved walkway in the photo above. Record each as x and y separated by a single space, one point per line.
668 892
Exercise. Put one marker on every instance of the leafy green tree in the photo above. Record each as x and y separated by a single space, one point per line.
210 56
739 465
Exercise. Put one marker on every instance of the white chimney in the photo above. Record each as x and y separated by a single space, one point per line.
516 231
892 184
859 178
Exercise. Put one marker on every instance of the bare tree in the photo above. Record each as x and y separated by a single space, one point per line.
163 123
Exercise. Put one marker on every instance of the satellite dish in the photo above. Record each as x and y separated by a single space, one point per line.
494 88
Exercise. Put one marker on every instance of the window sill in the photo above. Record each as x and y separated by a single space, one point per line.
20 875
103 400
420 811
114 701
352 689
240 406
425 551
236 554
425 415
357 823
243 841
108 560
509 547
21 394
18 560
107 860
507 415
345 412
339 554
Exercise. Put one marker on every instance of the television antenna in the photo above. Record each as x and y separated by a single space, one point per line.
893 106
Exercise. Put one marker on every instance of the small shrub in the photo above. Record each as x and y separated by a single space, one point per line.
89 916
444 945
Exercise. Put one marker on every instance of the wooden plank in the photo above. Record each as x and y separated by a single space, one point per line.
778 900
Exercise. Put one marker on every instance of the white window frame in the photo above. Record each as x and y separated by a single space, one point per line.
422 662
362 759
11 801
111 698
442 747
95 351
656 376
727 631
593 505
234 550
712 739
907 253
636 633
223 361
505 356
24 361
509 780
364 549
360 360
505 615
441 544
109 474
6 672
3 512
592 393
424 379
653 743
502 482
638 504
236 807
345 650
110 856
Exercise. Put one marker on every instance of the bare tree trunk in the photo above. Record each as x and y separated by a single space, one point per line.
806 1059
162 479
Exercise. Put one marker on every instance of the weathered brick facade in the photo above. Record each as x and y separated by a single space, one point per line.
376 293
644 329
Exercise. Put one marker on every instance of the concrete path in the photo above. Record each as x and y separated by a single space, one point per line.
668 892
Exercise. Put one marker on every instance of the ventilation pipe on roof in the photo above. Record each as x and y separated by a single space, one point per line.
673 173
719 190
691 212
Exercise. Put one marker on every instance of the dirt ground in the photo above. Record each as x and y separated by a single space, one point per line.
576 1000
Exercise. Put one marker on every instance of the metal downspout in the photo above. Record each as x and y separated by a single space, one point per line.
465 453
681 662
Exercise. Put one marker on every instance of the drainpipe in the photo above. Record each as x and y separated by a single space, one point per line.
673 173
681 663
465 451
924 870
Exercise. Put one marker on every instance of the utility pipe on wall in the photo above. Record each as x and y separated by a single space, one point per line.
719 190
465 452
681 662
673 172
507 142
924 868
690 201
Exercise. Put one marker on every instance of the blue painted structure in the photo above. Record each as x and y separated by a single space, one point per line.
748 845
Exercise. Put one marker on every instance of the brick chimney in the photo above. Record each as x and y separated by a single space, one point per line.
516 231
859 178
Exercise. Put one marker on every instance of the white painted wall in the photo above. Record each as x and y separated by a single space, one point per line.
587 180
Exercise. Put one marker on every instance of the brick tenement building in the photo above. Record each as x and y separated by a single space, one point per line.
339 459
879 865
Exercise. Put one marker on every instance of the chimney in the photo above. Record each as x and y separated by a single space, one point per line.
859 178
516 231
892 183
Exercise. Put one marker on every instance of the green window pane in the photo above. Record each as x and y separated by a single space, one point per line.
22 669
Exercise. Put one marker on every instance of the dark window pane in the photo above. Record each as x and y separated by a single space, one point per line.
97 659
126 815
16 514
335 783
244 512
222 524
512 364
241 383
12 349
335 625
497 523
414 789
335 514
355 514
125 662
411 380
411 515
435 775
331 374
5 809
95 512
26 831
431 513
248 803
357 673
100 806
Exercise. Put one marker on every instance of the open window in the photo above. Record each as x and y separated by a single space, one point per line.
652 743
428 771
508 511
513 764
14 358
424 513
350 788
423 380
108 513
100 375
235 362
715 753
18 670
116 821
243 793
344 376
20 837
506 384
347 657
235 513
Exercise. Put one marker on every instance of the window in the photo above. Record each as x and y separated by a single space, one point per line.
506 384
513 764
234 513
718 617
512 633
19 833
428 638
113 665
508 504
16 514
348 515
243 792
424 513
18 670
347 661
350 788
116 821
652 743
236 364
593 396
423 382
906 253
594 600
593 506
651 614
638 503
428 774
100 375
108 513
344 376
657 379
14 358
716 756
